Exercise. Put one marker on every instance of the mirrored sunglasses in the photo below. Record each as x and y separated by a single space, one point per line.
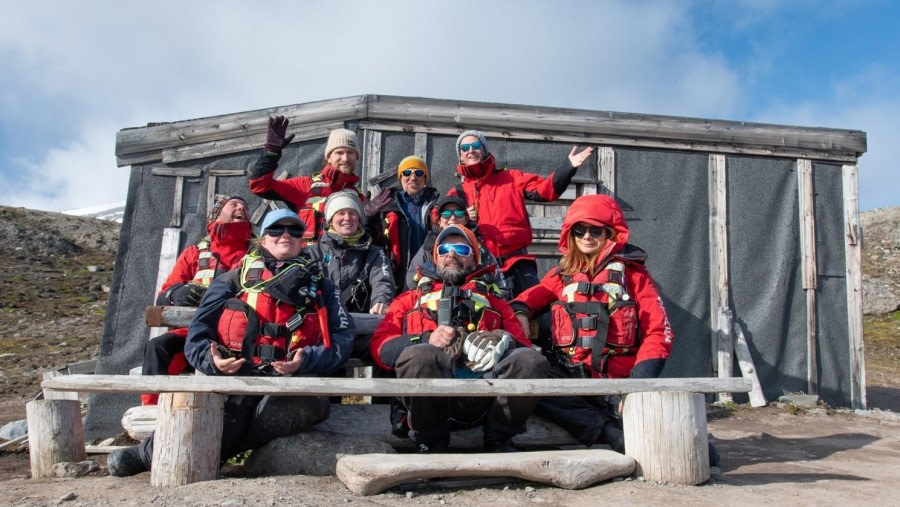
594 230
474 146
458 213
457 248
277 230
418 172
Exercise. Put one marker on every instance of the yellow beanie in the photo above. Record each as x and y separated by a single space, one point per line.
412 162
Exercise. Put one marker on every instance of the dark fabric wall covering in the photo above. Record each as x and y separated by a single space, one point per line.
765 270
664 198
833 337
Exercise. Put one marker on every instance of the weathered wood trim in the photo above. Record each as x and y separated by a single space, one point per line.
180 316
606 161
169 249
853 256
284 386
748 367
719 297
807 213
211 184
421 149
371 160
183 172
228 173
621 142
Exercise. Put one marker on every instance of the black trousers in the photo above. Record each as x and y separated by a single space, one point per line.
433 418
582 416
251 422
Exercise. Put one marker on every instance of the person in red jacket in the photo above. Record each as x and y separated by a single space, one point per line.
453 325
496 198
307 194
607 317
227 240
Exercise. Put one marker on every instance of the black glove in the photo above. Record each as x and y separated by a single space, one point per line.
275 135
374 204
188 294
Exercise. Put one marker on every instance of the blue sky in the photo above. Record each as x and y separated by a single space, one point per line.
74 73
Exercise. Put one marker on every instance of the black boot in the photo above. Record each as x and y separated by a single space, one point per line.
613 436
125 462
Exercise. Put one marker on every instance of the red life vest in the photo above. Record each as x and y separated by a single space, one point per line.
207 263
313 211
597 318
256 325
471 308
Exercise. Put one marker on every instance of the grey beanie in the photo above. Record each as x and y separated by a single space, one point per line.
342 200
477 133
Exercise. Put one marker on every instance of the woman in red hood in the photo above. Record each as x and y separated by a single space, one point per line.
607 318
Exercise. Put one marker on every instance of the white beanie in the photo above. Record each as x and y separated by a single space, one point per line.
341 138
342 200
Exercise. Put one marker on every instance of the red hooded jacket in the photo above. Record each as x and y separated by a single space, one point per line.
296 191
653 323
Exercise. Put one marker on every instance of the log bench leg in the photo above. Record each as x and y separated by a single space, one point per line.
188 438
665 433
55 434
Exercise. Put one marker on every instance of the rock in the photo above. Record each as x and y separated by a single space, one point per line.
68 497
72 469
879 297
14 430
806 401
309 453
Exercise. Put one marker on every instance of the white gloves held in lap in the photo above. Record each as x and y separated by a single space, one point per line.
483 349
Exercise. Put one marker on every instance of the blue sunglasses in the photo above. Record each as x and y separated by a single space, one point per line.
418 172
474 146
458 213
457 248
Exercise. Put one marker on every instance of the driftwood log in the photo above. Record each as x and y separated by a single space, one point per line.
188 439
370 474
55 434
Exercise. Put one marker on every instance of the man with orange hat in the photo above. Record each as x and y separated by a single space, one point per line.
453 325
306 194
227 240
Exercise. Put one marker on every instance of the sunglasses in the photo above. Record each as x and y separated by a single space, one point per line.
457 248
418 172
474 146
277 230
458 213
595 231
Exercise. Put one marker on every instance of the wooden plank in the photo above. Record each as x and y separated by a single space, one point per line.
168 254
806 204
9 444
211 184
853 256
56 395
606 160
748 368
547 223
177 171
282 386
254 142
723 336
176 203
371 167
180 316
421 149
719 299
230 126
614 141
228 173
88 366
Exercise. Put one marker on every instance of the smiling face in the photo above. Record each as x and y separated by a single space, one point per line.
283 246
412 184
591 239
345 222
472 155
344 160
453 220
453 267
234 210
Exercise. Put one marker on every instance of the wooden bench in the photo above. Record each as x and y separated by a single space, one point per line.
664 419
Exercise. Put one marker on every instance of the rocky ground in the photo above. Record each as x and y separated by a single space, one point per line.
51 315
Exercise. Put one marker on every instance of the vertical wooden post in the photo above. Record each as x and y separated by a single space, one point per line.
371 159
606 160
853 256
807 214
168 254
722 340
421 149
665 433
55 434
188 438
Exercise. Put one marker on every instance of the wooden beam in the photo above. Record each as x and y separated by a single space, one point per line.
853 256
371 166
807 213
421 149
176 171
719 298
606 160
288 386
748 367
180 316
169 249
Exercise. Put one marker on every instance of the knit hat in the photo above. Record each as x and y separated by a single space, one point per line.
342 200
341 138
477 133
278 215
412 162
448 199
459 230
219 203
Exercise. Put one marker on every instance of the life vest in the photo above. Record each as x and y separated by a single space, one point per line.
207 263
313 211
256 325
471 308
392 237
595 318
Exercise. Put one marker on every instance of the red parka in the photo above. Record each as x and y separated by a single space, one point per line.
654 331
296 191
